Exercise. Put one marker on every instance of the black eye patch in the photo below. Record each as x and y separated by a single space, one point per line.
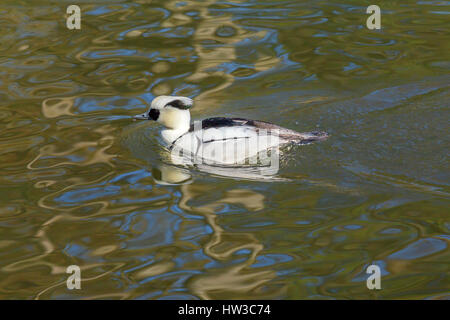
153 114
178 104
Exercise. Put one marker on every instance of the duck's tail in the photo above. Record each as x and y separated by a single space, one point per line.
309 137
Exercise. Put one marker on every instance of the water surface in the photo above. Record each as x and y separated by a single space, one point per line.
83 184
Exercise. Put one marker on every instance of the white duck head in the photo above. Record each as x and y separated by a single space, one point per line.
172 112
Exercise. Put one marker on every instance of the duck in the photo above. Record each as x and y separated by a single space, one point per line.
222 140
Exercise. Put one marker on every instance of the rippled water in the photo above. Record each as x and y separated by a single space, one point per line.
83 184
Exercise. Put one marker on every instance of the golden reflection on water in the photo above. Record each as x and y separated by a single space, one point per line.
222 246
53 108
237 279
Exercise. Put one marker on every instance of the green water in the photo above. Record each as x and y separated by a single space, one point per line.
82 184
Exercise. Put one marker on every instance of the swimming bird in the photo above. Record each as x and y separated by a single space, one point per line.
220 139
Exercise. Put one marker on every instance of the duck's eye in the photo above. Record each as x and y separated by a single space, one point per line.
153 114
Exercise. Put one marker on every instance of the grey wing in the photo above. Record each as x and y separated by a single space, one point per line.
270 128
284 133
